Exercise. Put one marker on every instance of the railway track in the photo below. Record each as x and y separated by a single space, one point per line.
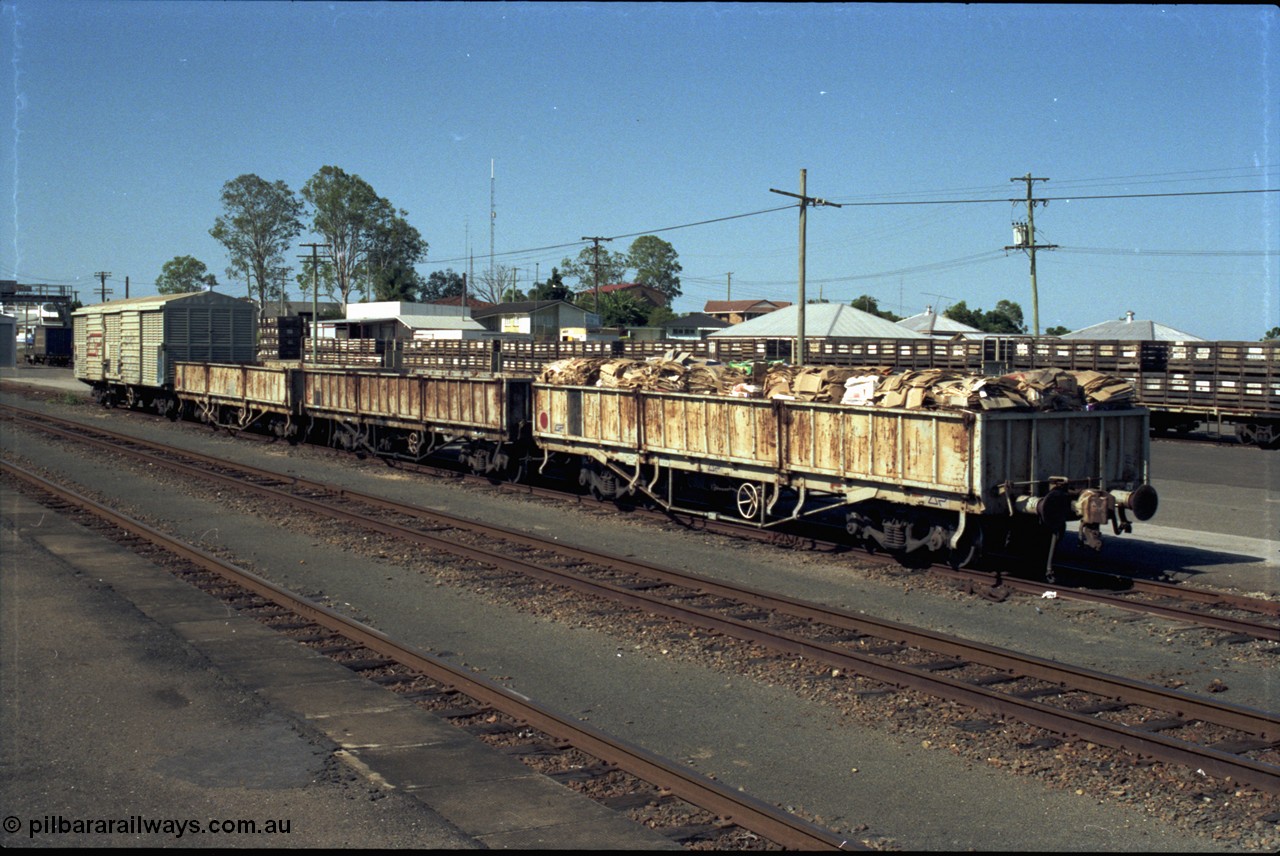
1240 616
618 774
1133 717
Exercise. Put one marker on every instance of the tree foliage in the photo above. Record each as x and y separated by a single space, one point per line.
183 274
653 260
442 284
259 222
1005 318
553 288
655 263
369 241
1057 331
870 305
612 267
617 309
394 248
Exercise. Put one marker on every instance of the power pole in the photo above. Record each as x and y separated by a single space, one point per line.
728 287
805 202
102 275
315 293
493 218
126 288
596 268
1026 240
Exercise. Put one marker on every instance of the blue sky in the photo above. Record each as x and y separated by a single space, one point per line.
125 119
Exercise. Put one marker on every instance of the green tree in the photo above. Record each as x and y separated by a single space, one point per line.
1057 331
394 248
655 264
659 315
323 282
1005 318
613 268
870 305
552 289
258 223
442 284
354 221
616 309
183 274
1273 333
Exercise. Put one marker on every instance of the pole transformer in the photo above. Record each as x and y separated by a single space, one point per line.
1027 241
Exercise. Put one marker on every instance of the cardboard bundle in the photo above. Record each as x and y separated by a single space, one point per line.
575 371
1104 390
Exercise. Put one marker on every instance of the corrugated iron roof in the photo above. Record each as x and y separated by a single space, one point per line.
154 300
1132 330
744 305
931 323
821 320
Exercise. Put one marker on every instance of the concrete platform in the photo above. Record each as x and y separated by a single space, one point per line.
89 633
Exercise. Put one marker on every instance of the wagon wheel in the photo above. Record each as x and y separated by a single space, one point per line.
748 500
414 442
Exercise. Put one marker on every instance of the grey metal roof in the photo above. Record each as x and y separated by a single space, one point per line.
932 324
1131 329
821 320
153 301
413 322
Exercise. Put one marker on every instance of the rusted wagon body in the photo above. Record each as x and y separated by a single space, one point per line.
239 395
401 415
905 478
482 417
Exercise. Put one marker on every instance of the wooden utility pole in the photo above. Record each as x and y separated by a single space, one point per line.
1027 241
102 276
728 287
315 294
596 268
805 202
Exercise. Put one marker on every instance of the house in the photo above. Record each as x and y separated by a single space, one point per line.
542 320
1131 329
821 321
642 293
737 311
393 319
694 327
940 326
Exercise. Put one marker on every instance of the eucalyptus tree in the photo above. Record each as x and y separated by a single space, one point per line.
260 219
612 267
655 263
442 284
394 248
366 236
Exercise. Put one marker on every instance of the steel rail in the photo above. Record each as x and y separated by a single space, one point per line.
742 810
1258 723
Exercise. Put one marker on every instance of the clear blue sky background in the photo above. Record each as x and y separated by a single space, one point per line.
125 119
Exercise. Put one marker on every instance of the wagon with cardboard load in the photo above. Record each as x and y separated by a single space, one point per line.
950 464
